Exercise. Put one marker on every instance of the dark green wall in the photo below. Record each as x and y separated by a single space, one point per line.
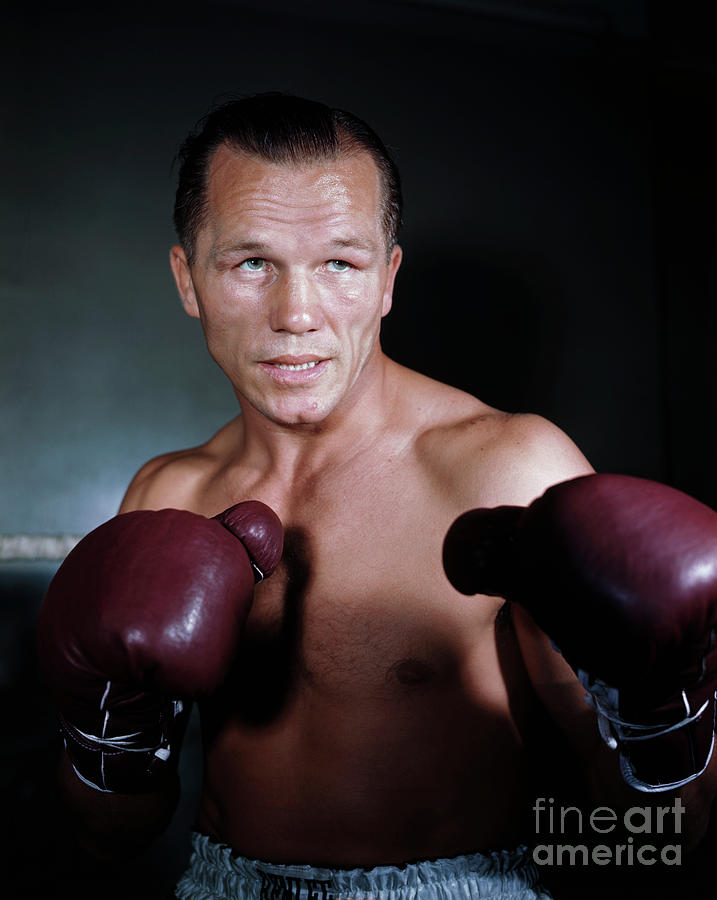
530 150
558 164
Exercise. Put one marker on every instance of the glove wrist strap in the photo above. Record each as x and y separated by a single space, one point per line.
619 733
125 763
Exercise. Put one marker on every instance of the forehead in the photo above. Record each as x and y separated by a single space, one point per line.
337 191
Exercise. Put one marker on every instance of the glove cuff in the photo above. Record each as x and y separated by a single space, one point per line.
131 763
669 748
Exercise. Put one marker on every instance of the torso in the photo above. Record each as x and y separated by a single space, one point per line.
375 715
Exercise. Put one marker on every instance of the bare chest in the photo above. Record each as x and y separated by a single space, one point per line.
360 611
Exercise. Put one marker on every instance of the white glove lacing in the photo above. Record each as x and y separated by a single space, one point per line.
120 743
615 730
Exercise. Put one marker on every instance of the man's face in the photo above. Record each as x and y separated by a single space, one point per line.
290 281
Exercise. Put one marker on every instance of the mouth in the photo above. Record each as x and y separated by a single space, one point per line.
297 367
294 369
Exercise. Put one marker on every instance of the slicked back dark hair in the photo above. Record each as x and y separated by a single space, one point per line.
279 128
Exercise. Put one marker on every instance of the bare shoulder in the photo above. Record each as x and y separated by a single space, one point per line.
488 457
530 453
179 479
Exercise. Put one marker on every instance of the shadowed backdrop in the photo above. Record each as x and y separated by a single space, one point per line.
559 180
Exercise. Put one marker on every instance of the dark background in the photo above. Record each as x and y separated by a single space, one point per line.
559 176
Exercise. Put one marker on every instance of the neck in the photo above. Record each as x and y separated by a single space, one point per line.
362 415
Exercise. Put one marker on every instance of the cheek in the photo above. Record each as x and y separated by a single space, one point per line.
229 308
228 336
354 303
360 334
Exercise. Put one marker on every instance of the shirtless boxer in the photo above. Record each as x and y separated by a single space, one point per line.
374 718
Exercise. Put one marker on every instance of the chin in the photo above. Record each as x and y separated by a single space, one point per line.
310 414
290 408
307 418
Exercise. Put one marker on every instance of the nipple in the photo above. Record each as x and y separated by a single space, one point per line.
412 672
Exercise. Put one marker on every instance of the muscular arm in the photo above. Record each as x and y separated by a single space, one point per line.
115 826
139 620
535 455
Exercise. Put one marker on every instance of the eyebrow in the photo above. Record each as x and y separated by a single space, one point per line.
239 247
355 243
261 249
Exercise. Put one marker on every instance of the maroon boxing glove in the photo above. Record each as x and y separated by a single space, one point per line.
142 617
621 574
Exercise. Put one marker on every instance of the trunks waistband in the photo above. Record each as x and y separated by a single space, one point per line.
216 873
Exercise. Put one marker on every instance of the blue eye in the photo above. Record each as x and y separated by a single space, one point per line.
338 265
254 264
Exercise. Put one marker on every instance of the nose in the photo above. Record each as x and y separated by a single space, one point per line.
296 307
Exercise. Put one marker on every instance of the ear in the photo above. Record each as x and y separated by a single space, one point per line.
183 279
393 264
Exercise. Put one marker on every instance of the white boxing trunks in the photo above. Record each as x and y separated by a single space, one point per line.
216 873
